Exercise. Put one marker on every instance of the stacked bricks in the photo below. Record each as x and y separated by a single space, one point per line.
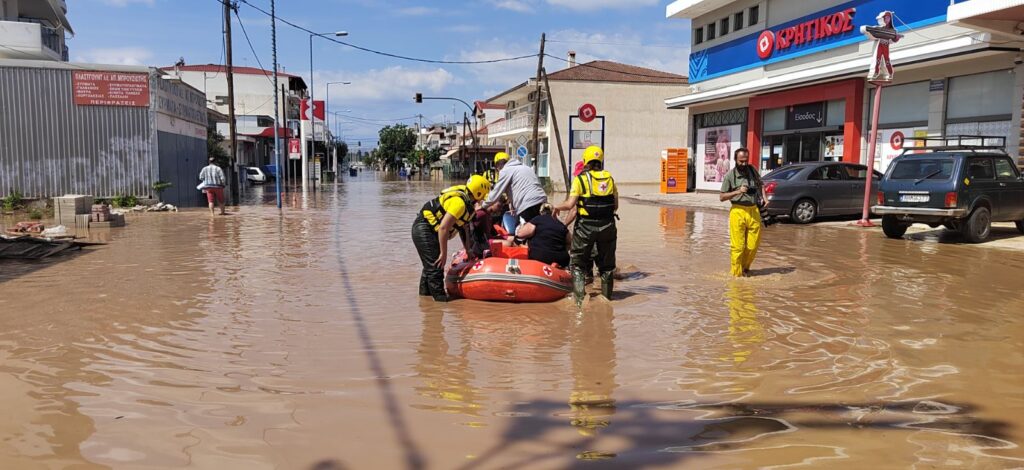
66 207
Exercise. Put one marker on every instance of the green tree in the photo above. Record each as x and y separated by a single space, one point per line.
397 144
215 149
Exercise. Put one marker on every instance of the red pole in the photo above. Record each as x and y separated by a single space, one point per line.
864 221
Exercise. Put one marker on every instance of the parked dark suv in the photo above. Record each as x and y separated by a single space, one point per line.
963 188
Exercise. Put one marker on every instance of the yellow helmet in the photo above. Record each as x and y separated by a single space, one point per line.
500 157
478 187
593 153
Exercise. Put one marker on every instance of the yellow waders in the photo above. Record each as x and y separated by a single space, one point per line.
744 237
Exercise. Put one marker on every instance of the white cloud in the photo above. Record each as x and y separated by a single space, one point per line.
591 5
116 55
417 11
514 5
390 84
124 3
618 47
501 74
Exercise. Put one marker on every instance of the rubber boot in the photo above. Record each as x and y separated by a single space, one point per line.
579 286
607 284
424 287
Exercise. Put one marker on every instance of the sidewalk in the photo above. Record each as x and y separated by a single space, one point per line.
1004 234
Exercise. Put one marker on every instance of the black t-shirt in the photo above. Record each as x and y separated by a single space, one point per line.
548 242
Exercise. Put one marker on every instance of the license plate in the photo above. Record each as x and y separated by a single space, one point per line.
914 198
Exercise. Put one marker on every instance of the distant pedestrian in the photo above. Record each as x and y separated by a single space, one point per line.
742 187
213 182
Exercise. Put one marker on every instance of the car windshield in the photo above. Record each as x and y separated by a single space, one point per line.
922 169
782 174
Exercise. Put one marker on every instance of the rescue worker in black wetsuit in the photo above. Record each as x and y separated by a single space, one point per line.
439 220
596 199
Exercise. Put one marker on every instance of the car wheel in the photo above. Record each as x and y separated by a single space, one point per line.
978 225
1020 225
892 226
804 211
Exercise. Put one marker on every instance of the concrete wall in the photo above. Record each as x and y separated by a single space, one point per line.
638 126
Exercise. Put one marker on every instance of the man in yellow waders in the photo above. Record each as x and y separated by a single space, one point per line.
741 186
596 199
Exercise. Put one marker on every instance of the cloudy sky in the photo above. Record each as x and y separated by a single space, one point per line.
158 32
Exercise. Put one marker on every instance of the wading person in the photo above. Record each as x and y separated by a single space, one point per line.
596 199
742 187
439 220
212 183
520 183
547 238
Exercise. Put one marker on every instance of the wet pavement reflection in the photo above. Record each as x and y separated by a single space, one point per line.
261 340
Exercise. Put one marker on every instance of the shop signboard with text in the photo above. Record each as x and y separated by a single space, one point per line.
805 116
98 88
816 32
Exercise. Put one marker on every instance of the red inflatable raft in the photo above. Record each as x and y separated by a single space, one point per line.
507 276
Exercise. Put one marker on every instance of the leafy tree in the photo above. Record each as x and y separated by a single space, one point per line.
215 149
397 144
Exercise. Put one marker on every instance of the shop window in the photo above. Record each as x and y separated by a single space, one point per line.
980 95
753 17
774 119
698 36
723 26
836 114
737 21
902 104
711 31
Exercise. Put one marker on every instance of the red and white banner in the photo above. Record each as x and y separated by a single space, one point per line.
318 109
294 149
110 88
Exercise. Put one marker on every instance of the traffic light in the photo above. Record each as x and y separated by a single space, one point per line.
419 97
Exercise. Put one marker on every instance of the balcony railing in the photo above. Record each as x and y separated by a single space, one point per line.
516 124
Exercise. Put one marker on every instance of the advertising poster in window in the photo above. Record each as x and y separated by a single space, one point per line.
833 148
715 146
890 144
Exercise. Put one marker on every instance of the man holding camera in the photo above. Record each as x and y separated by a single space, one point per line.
742 186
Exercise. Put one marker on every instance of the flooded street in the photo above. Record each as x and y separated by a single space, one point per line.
261 341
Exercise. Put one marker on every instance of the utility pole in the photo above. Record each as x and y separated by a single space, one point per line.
277 106
558 134
228 6
535 143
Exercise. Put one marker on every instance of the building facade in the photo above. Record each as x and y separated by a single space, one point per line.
254 105
102 130
787 80
34 29
630 120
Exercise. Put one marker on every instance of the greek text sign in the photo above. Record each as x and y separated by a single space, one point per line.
110 88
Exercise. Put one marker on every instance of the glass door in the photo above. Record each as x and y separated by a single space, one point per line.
810 147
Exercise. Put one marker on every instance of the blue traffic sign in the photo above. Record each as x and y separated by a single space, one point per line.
521 152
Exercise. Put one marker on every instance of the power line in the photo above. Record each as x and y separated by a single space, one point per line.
382 53
253 49
593 43
620 72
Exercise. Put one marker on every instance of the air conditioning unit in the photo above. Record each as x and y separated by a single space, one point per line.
532 96
510 105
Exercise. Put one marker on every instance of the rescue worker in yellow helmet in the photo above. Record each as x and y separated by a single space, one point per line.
500 159
596 199
743 188
437 222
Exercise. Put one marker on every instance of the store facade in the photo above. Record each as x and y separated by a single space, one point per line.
790 77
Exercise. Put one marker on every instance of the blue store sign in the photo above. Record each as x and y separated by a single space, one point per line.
826 29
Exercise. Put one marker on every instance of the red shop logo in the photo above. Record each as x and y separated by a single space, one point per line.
817 29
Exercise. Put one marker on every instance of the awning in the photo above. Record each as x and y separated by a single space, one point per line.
282 132
955 46
994 16
451 152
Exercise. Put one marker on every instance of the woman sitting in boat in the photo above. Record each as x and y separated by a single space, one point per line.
547 238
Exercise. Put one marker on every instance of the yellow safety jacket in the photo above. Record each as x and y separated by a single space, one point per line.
596 195
454 200
492 176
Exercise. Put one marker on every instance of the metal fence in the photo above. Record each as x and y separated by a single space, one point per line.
49 146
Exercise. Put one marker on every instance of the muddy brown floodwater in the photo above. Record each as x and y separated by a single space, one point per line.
264 341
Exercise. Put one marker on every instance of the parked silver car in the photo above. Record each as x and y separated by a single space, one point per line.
805 191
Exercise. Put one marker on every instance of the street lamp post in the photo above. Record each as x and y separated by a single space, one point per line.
312 106
335 137
327 126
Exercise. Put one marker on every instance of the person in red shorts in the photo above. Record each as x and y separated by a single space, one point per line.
213 181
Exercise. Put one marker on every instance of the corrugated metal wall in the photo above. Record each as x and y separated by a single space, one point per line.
50 147
181 159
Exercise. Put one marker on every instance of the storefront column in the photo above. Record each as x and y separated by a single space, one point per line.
1015 140
852 129
754 135
937 107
